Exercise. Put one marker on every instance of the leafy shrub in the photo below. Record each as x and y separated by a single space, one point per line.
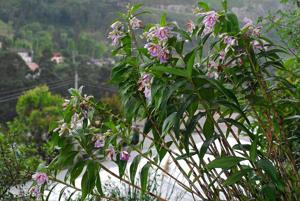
210 102
24 143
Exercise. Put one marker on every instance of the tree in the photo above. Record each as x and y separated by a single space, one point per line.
35 110
25 143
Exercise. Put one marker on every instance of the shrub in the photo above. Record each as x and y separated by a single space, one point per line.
210 101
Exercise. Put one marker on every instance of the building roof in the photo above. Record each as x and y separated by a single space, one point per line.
32 66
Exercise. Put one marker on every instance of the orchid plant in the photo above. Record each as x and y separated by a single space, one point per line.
209 104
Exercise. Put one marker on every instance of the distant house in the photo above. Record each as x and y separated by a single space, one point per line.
27 58
33 66
57 58
0 45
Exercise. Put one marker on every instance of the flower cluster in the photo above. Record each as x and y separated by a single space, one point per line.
124 156
252 30
98 141
157 37
40 178
190 26
212 71
116 34
135 23
209 21
145 85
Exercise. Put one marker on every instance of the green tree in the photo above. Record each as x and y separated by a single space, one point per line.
35 110
24 143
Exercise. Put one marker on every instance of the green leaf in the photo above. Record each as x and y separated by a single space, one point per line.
121 165
186 155
172 70
49 194
270 170
162 151
225 162
169 122
133 168
76 171
163 20
253 150
136 7
225 5
88 180
208 128
238 125
190 60
205 146
204 6
228 93
186 103
71 195
99 184
234 107
190 128
147 127
144 178
235 177
269 192
61 193
233 25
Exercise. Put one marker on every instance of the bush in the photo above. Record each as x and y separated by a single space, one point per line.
25 144
213 82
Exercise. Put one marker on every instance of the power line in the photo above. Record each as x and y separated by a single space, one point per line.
31 87
16 96
49 85
98 87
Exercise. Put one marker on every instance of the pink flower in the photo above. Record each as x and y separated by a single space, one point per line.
147 93
145 85
229 41
256 45
40 178
115 36
190 26
110 152
99 143
35 191
212 74
257 31
163 56
247 22
146 78
222 55
116 25
136 23
239 61
153 49
210 20
212 64
124 156
162 33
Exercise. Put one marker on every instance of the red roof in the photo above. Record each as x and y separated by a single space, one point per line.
56 54
33 66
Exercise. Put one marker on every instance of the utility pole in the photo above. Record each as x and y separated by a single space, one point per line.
75 70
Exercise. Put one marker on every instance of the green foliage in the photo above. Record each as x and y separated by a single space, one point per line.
222 91
24 143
